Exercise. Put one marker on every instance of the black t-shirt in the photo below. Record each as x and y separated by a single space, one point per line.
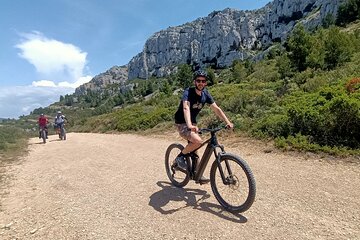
196 104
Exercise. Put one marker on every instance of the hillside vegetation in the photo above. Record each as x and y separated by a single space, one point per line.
304 95
13 142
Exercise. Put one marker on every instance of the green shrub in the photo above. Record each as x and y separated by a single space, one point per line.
342 122
13 140
328 117
273 125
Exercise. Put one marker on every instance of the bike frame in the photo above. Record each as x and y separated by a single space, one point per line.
42 128
59 128
212 146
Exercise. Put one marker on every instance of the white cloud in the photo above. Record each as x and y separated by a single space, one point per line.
60 66
21 100
43 83
48 83
76 84
53 59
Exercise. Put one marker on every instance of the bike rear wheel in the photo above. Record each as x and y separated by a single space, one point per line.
237 193
177 177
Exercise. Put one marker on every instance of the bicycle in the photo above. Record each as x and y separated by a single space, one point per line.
231 178
60 130
43 133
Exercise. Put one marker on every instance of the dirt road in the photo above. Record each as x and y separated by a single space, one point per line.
95 186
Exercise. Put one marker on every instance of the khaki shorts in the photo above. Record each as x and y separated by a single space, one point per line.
184 131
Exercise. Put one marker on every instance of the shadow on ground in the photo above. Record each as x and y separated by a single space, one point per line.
193 198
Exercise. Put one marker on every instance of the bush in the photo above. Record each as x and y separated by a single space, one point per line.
327 117
338 48
273 125
348 12
342 122
12 139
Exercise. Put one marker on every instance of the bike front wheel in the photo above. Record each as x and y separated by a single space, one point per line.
236 190
63 133
43 135
177 177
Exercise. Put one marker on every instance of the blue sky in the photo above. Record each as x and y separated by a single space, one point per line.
50 47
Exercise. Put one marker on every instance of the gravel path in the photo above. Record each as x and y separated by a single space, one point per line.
97 186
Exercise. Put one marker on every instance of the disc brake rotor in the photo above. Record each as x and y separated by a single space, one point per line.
234 182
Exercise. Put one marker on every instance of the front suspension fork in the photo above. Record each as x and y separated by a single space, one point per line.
226 180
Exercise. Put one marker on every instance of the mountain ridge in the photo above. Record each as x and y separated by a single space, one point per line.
216 40
223 36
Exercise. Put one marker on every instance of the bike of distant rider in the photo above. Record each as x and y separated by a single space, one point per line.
60 129
43 133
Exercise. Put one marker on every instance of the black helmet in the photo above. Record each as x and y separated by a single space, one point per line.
200 73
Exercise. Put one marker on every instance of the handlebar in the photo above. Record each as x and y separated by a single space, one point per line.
211 130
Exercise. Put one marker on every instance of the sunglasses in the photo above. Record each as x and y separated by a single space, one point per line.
200 81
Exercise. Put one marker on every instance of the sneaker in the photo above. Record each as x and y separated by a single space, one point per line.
180 160
203 180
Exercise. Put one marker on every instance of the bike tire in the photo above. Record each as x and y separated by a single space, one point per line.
177 177
59 133
63 134
43 135
243 188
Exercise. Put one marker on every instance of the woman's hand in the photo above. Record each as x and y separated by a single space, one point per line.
229 125
193 128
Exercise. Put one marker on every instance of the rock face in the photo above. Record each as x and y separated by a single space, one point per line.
116 75
216 40
224 36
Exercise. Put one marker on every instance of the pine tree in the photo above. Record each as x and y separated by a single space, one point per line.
299 46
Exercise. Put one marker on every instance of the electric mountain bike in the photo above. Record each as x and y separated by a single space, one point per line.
231 178
60 130
43 133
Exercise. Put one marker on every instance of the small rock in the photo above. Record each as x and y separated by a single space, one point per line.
33 231
268 150
7 226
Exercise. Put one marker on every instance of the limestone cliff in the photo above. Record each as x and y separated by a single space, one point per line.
226 35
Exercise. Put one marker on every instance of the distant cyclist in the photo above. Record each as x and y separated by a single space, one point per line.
59 120
193 100
43 122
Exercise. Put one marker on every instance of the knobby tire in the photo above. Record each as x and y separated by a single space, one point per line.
43 135
172 151
243 190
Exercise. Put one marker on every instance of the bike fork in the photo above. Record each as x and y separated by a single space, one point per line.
221 170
